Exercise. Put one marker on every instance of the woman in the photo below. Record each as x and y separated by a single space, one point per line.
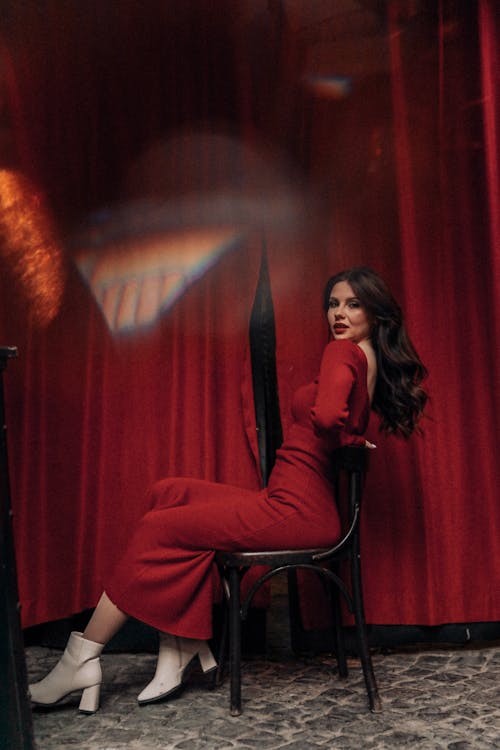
167 575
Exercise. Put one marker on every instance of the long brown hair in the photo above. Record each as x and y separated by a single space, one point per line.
399 398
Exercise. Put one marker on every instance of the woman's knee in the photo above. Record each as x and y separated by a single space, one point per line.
167 492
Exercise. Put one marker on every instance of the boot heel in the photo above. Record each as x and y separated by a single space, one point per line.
207 661
90 700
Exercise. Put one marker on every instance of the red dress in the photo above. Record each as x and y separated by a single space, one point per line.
167 576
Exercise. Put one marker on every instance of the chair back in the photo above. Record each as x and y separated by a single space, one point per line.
353 463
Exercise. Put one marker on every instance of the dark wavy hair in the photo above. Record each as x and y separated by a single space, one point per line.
399 398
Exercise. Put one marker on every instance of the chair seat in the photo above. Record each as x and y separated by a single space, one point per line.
269 557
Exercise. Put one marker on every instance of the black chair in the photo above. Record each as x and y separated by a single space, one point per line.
350 466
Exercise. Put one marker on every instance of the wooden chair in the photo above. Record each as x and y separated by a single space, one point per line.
352 463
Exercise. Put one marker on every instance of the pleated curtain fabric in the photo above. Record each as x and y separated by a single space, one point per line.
164 119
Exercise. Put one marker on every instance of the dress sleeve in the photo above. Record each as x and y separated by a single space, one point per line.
339 372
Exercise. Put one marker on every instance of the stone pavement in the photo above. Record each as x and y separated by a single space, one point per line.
432 699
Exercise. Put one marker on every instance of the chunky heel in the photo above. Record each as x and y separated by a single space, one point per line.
77 669
90 700
207 661
175 659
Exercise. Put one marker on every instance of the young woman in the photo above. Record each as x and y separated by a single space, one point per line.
167 575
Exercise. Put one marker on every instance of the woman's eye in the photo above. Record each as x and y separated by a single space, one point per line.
354 303
332 303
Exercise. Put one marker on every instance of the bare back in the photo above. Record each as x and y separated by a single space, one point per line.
371 375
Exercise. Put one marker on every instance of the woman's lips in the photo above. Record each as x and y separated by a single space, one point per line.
339 328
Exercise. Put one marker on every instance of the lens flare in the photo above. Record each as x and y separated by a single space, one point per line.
29 247
135 282
188 199
329 87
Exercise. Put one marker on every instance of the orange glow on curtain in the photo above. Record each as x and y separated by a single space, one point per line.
29 247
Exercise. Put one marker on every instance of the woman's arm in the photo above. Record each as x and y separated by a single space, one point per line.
339 371
341 366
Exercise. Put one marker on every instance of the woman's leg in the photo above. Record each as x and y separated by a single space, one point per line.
105 622
79 667
175 654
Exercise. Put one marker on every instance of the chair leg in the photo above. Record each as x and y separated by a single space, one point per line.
338 633
362 637
221 653
294 616
235 641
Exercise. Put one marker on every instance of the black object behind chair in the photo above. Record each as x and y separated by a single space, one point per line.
351 463
16 725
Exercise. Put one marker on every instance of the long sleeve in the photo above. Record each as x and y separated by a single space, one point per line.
342 366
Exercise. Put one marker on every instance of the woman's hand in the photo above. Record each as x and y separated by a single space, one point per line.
369 445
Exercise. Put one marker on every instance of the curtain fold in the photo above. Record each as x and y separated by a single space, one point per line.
489 34
446 261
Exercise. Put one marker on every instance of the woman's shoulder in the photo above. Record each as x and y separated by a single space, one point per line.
347 350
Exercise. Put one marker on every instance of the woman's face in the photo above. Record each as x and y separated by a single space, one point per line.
347 318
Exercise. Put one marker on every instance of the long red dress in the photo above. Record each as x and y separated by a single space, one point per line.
167 576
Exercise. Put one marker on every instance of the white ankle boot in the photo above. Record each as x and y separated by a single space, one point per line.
78 668
174 657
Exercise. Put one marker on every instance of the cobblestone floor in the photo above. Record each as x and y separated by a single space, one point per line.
440 698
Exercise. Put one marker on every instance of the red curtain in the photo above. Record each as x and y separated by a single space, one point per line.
125 129
148 127
94 421
413 184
